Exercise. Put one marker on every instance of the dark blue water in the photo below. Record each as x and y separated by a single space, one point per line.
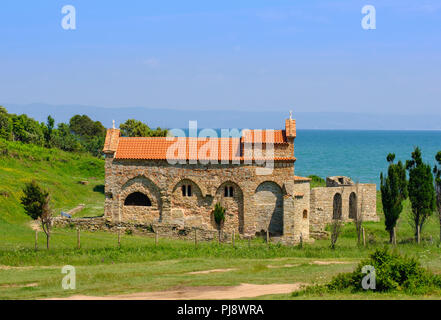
360 155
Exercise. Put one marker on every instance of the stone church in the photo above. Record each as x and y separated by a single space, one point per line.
176 182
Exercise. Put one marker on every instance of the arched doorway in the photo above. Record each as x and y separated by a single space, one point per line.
230 196
268 200
137 199
140 201
337 207
353 206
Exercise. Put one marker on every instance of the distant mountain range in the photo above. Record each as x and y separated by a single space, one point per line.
169 118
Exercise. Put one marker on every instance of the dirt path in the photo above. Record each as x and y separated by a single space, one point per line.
327 262
211 271
200 293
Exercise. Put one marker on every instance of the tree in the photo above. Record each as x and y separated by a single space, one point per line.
421 191
5 124
63 139
85 127
437 172
48 131
393 193
219 217
136 128
27 130
36 204
90 133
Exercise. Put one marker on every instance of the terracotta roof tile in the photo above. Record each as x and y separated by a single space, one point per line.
264 136
160 148
297 178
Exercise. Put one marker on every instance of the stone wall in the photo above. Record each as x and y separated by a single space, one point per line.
164 230
256 204
322 204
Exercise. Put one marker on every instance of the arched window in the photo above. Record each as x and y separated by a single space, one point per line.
186 190
337 206
353 206
229 192
137 199
305 214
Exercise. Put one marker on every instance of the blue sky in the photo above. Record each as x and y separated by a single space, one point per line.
242 54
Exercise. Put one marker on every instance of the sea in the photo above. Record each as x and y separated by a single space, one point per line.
360 155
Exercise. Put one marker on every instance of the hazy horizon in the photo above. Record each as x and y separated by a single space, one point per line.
168 118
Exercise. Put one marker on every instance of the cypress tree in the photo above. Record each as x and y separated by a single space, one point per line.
393 193
421 190
437 172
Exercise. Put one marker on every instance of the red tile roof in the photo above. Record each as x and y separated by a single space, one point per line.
160 148
297 178
264 136
178 148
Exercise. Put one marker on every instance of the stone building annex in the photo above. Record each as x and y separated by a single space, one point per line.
176 182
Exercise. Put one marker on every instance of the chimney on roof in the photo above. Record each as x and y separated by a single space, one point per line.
290 126
113 123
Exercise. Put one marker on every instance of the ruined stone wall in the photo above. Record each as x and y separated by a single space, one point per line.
246 213
322 204
297 210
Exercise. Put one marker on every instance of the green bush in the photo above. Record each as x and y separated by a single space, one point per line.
317 181
392 271
219 214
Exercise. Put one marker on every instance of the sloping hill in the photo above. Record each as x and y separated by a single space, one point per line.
57 171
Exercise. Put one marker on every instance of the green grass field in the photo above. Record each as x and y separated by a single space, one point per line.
103 268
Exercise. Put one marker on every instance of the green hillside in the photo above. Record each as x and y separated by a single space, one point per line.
57 171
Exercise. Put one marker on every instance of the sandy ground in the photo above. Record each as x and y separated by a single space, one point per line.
283 266
16 285
326 262
211 271
199 293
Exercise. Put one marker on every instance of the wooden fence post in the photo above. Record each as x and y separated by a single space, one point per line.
232 238
364 237
301 240
249 242
119 237
156 237
267 236
36 240
78 239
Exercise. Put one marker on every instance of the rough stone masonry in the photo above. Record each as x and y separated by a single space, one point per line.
176 182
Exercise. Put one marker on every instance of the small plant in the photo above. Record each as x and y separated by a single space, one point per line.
219 216
129 232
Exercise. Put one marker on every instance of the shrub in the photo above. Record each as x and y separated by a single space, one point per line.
317 181
392 272
219 214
